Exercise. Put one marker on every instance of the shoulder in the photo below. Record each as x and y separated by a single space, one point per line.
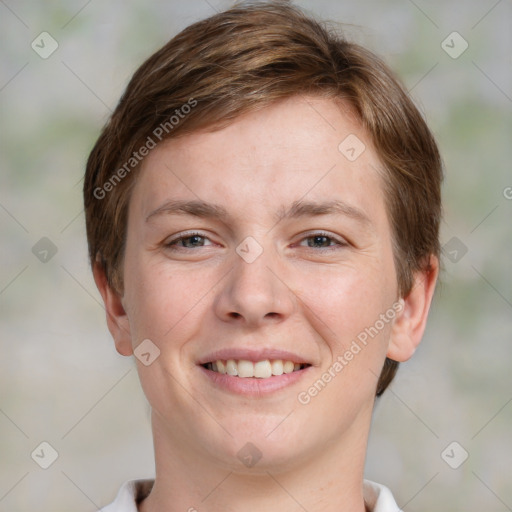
379 498
131 493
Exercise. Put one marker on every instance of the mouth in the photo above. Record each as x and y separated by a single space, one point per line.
255 372
264 369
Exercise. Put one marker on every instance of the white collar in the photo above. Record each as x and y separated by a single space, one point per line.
378 497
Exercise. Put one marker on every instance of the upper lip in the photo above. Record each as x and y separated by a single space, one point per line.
253 355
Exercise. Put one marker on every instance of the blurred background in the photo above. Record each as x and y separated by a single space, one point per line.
63 67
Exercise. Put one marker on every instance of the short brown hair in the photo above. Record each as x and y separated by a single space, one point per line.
245 59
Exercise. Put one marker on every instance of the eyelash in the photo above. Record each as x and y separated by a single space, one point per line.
172 244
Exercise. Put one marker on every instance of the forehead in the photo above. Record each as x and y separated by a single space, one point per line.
302 148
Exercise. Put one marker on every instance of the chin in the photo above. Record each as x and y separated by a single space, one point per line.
261 447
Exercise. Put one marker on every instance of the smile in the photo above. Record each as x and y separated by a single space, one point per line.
260 369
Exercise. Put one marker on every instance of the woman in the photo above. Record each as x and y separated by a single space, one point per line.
262 215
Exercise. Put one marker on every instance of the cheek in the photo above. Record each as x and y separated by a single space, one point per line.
168 304
346 305
162 301
344 302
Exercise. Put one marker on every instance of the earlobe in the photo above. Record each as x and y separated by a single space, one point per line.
117 319
409 325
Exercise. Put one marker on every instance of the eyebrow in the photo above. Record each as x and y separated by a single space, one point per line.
298 209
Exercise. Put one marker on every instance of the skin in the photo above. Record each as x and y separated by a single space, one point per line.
199 294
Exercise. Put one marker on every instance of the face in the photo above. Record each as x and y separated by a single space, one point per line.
256 250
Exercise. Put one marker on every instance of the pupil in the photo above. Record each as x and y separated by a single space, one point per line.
193 240
320 240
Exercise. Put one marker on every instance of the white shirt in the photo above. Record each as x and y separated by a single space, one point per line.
378 497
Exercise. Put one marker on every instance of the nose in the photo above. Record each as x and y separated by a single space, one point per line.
255 293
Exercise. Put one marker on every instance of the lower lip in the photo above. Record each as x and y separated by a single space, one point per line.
253 386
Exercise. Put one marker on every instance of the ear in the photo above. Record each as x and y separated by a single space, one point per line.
117 320
410 324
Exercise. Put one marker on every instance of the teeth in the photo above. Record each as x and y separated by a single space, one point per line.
221 367
231 367
288 367
277 367
261 369
245 368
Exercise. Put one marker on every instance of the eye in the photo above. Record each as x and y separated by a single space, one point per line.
188 241
322 241
313 241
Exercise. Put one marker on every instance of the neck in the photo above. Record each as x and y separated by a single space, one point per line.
331 481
